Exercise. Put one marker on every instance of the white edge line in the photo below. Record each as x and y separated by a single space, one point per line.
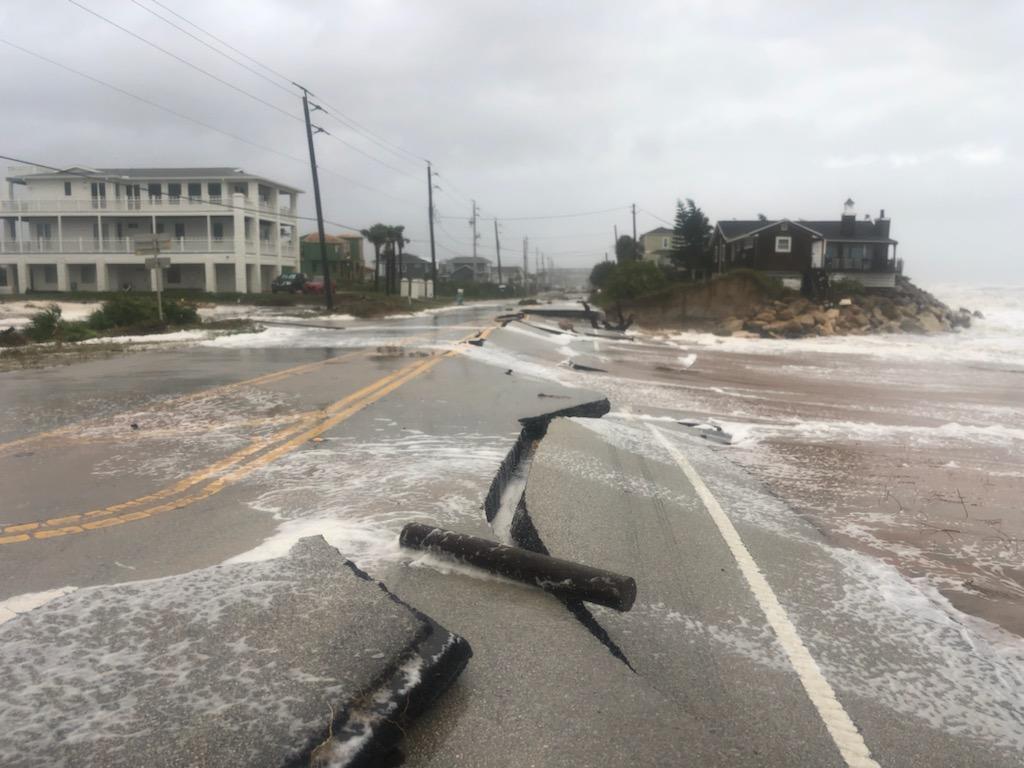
844 733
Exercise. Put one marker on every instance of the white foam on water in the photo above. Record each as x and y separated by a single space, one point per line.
19 604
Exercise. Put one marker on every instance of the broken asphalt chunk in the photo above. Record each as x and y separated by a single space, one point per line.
277 663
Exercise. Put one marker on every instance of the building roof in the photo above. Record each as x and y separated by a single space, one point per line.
465 260
830 230
659 231
412 258
172 174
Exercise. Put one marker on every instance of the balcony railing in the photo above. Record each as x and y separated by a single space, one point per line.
114 245
844 264
99 205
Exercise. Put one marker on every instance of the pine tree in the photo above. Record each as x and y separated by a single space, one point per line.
691 236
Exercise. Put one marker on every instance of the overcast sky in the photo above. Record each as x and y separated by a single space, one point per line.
549 108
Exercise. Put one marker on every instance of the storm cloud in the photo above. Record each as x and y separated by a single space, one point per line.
541 109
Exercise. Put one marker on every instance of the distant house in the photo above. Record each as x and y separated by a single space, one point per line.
468 269
789 249
413 266
656 246
344 256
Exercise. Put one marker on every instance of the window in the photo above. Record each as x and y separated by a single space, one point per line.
160 228
783 244
179 230
3 277
87 274
43 230
218 230
174 192
173 275
154 191
213 188
242 189
50 273
67 188
664 242
195 191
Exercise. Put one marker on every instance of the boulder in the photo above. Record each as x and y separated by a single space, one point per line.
826 329
832 313
889 309
929 322
766 316
785 314
806 320
731 325
911 325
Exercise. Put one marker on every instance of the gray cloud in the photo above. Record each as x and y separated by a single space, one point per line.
783 108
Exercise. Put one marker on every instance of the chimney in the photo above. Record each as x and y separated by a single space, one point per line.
848 223
882 226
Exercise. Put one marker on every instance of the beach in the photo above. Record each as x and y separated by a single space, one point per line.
908 448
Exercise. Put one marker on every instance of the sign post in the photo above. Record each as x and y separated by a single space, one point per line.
149 246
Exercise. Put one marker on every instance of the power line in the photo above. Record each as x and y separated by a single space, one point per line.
211 47
222 81
340 116
187 63
553 216
655 216
199 122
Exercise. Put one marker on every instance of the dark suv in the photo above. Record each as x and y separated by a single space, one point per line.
288 282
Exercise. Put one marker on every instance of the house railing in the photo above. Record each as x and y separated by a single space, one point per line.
122 245
842 264
162 204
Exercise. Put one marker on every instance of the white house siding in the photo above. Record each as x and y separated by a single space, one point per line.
55 241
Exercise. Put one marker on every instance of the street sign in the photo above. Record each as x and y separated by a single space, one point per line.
150 245
158 262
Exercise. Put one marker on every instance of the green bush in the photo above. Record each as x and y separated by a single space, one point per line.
45 325
126 310
76 331
633 279
600 273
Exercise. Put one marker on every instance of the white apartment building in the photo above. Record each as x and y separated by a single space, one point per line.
227 230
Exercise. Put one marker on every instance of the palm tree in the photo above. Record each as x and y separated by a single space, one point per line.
378 235
399 240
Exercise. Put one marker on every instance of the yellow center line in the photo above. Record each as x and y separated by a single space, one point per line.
294 436
266 378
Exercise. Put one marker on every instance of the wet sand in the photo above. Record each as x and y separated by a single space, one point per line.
919 463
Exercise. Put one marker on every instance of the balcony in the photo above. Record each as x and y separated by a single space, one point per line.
124 245
154 205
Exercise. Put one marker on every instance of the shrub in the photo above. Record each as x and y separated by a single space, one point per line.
600 273
632 280
44 326
847 286
133 311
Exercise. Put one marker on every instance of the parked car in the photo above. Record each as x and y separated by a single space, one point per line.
316 285
288 282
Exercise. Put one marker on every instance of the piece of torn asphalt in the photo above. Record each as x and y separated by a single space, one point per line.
302 660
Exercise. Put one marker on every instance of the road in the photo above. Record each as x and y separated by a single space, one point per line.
753 642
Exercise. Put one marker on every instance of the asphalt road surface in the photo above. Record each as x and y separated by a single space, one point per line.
753 642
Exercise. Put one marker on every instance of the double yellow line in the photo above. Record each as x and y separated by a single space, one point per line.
227 471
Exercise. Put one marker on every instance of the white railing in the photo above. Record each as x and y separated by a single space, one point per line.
101 205
114 245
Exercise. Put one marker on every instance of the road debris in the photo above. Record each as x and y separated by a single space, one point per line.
564 578
280 662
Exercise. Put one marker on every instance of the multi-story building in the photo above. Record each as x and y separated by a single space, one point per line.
223 229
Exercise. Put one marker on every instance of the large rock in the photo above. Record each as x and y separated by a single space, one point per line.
929 322
730 325
806 320
254 664
786 313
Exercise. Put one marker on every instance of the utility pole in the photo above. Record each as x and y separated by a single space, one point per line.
526 270
472 223
636 245
430 213
497 250
329 299
539 261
